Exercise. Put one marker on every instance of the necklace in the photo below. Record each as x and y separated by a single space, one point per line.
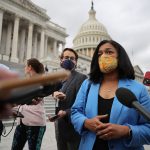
107 90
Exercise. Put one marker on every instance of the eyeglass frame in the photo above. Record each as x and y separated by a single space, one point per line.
68 57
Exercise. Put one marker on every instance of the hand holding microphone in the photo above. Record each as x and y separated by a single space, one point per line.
14 90
59 95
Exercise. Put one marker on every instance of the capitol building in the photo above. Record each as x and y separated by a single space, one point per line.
87 39
26 31
89 36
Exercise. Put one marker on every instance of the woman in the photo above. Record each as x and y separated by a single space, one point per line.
32 127
103 122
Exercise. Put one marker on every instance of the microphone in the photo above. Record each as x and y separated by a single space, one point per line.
22 91
127 98
27 94
22 95
146 80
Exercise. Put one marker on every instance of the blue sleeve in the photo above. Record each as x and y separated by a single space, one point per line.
140 131
77 111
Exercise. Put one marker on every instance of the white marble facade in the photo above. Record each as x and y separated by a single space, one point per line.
26 31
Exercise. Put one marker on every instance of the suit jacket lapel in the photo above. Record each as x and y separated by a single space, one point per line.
117 106
92 101
65 86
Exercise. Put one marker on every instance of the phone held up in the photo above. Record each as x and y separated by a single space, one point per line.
53 118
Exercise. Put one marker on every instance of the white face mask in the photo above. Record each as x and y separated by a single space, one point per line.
107 63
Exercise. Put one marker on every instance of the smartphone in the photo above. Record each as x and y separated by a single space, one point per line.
53 118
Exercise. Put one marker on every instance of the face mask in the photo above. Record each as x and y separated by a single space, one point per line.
67 64
107 64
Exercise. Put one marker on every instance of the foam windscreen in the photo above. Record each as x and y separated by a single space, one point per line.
125 96
146 80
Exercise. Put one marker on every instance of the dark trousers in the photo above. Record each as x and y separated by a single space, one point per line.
32 134
63 144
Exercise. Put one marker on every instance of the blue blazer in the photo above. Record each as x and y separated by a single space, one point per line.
120 114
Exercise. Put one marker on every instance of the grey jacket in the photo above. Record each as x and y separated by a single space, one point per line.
70 88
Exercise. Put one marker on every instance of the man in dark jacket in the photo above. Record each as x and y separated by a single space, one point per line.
67 138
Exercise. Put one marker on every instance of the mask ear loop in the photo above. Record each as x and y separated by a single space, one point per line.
75 65
60 61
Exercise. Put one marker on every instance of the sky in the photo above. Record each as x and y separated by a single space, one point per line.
127 22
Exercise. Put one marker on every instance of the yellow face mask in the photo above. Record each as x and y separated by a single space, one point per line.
107 63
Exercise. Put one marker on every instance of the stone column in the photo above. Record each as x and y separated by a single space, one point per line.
55 47
1 24
14 57
87 52
38 49
78 51
34 54
8 41
29 43
3 42
22 45
91 54
46 40
42 44
83 51
63 46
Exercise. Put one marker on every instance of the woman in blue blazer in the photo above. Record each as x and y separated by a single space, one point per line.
102 121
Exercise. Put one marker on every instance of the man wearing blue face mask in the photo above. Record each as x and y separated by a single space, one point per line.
67 138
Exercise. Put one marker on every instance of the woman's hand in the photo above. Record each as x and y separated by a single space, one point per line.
110 131
92 124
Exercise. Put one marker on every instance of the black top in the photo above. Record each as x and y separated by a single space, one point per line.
104 107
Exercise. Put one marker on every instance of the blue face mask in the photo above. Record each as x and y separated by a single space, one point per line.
67 64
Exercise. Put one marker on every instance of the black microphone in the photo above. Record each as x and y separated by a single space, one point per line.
26 94
146 80
21 96
127 98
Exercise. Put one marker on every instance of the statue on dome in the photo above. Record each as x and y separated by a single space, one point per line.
92 7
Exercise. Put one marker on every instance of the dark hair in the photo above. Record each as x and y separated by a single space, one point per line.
71 50
125 68
36 65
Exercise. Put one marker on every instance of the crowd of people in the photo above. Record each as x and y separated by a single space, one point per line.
88 113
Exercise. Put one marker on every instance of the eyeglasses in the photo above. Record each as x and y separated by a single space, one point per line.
71 58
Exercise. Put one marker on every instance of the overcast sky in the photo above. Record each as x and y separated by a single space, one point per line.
127 22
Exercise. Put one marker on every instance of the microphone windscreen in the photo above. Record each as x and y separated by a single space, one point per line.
125 96
146 80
